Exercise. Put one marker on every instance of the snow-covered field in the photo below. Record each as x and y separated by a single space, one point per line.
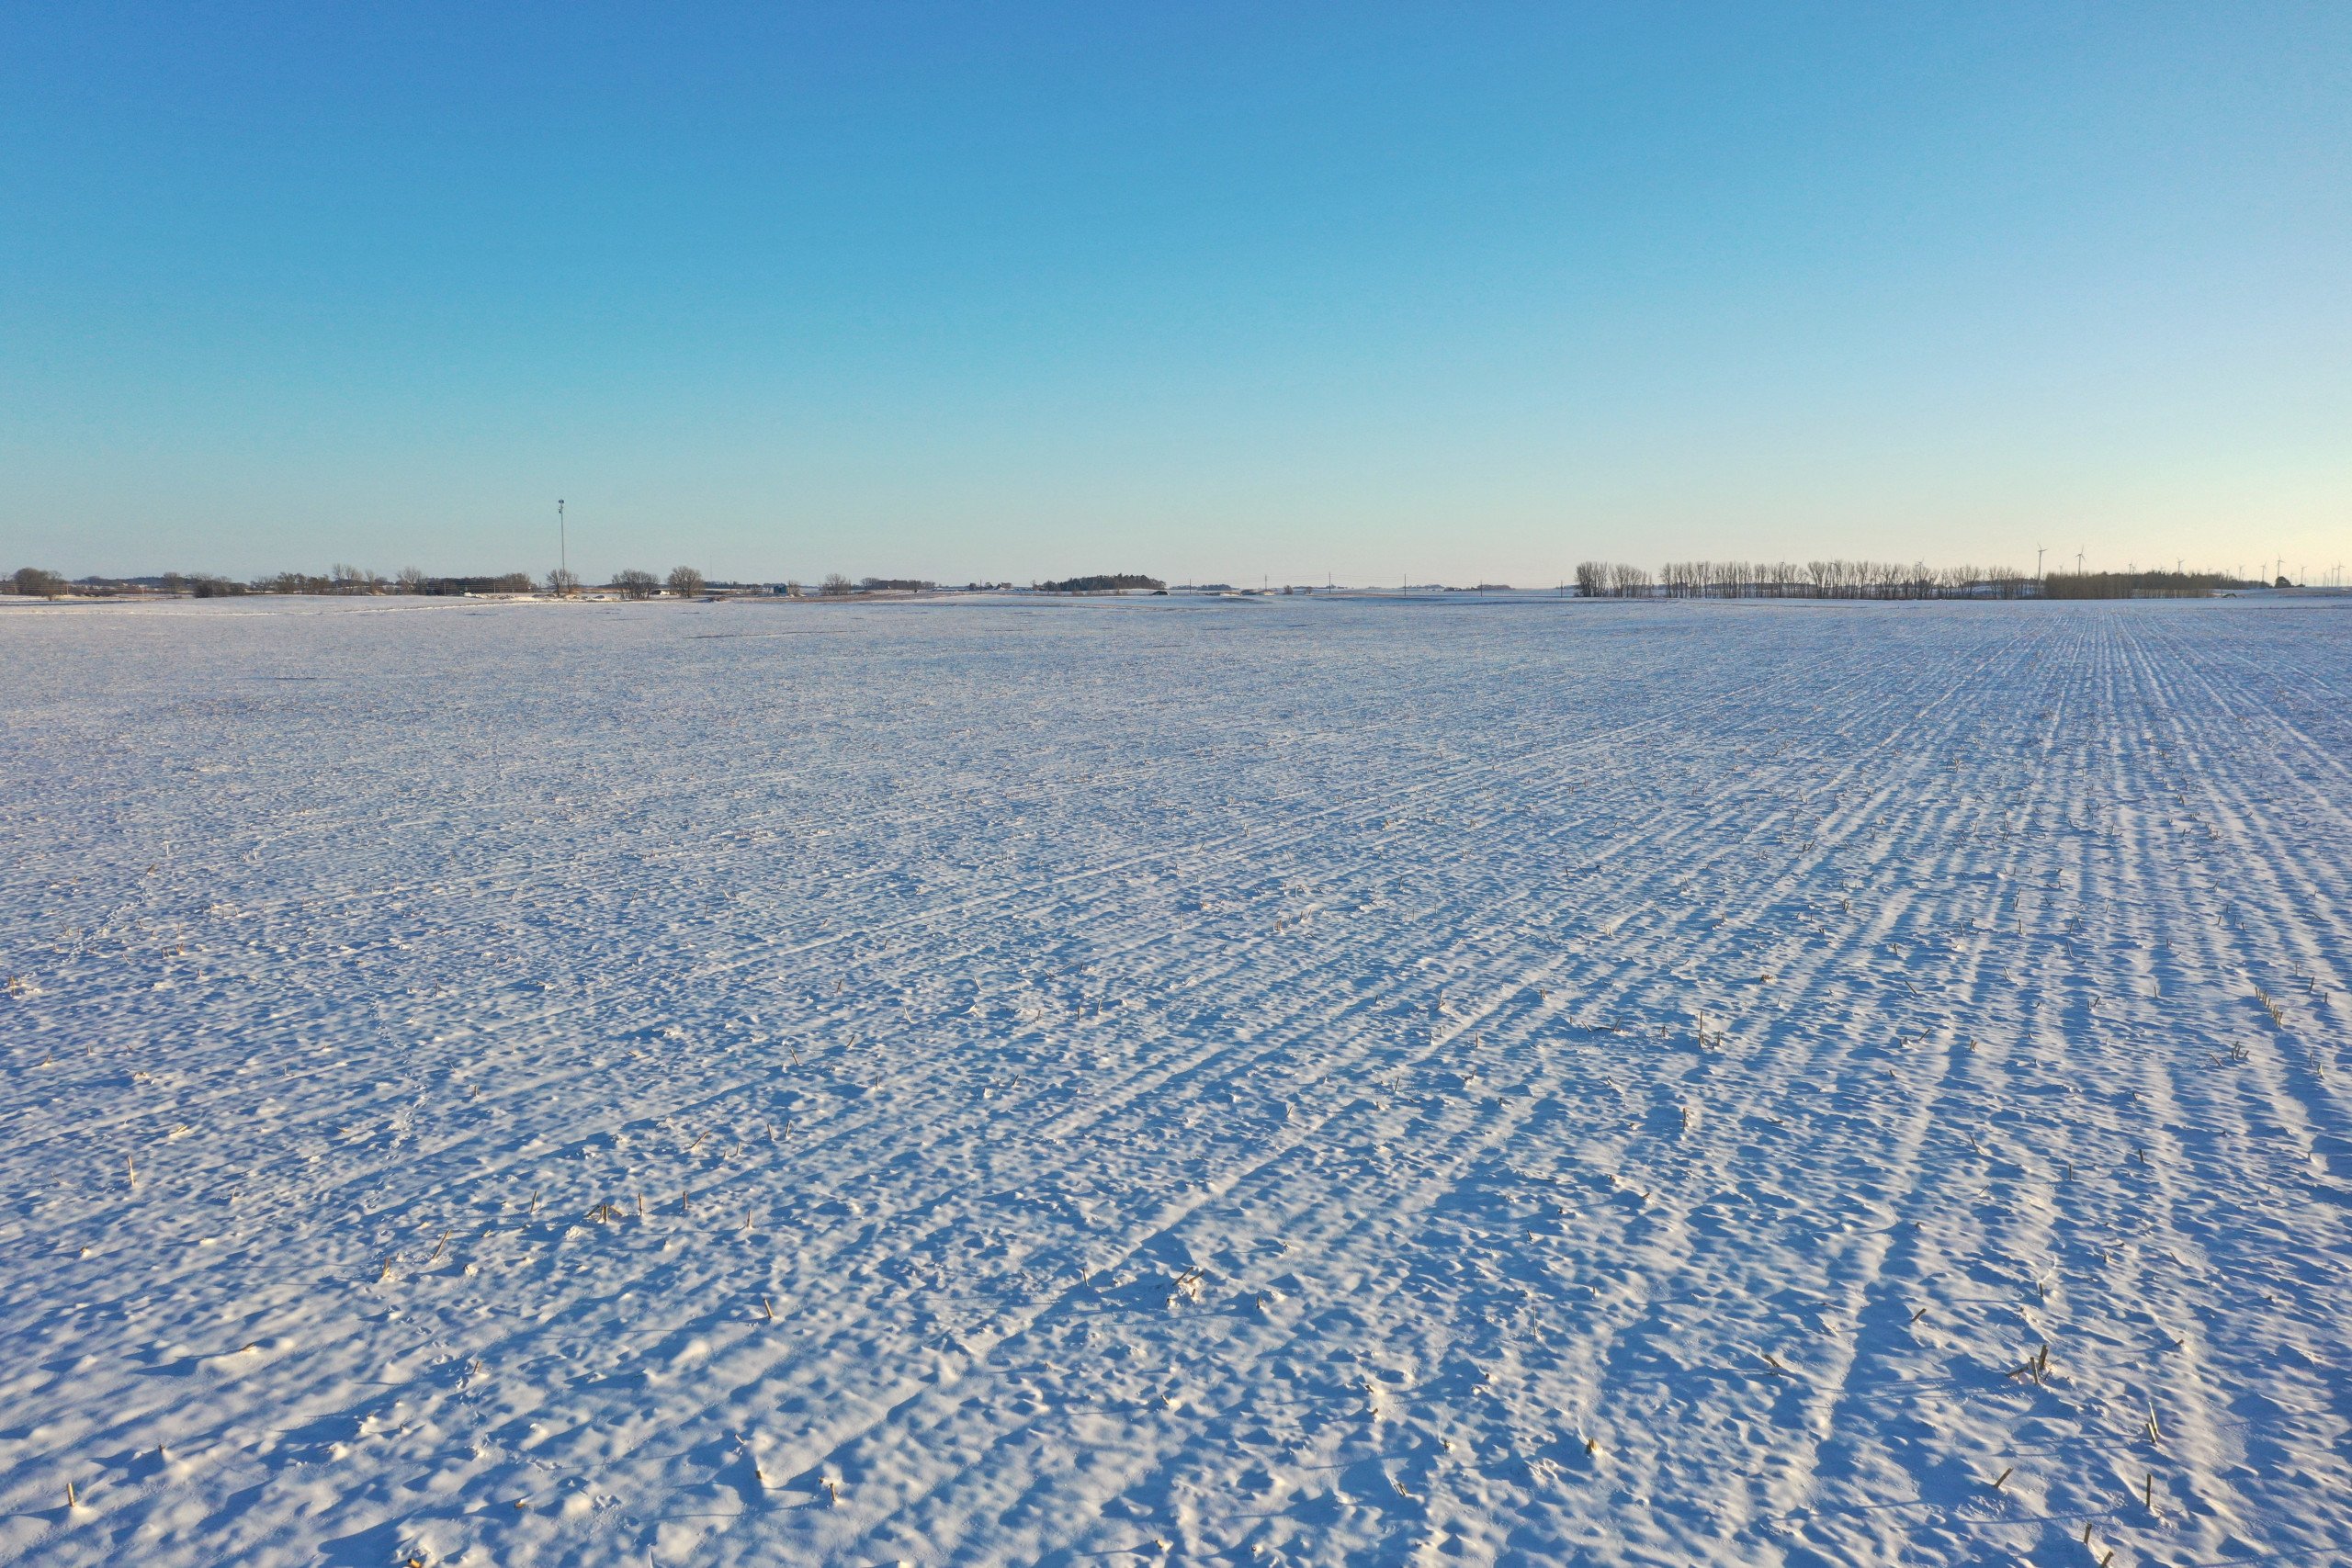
1140 1080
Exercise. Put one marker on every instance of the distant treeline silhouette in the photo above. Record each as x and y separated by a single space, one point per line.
1879 580
683 582
338 579
1595 580
2137 584
1102 584
1788 580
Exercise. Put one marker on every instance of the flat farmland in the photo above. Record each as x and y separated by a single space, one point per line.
1145 1080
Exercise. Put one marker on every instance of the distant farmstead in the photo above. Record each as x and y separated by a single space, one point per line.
1118 582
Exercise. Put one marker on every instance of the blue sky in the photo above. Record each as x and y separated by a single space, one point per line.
1451 291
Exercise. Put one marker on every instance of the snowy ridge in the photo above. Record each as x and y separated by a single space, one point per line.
1145 1080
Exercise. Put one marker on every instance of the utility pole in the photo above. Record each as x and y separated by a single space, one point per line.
562 541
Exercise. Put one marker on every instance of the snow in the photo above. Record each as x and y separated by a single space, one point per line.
1143 1080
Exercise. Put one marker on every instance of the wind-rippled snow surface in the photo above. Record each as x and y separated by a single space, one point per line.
1154 1081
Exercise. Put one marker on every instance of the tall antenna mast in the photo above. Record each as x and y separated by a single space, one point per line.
562 541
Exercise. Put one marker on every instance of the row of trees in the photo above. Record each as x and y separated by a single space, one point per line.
1108 582
1612 579
1595 580
2138 584
1787 580
683 583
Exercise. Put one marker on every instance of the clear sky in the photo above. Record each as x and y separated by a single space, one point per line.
1203 290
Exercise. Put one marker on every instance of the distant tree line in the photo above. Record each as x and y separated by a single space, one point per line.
1595 580
1863 580
1836 579
683 583
351 580
1102 584
1612 579
2138 584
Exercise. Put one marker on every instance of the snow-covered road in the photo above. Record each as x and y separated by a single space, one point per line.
1158 1079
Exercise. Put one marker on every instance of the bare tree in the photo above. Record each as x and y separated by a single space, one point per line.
634 584
411 581
563 583
836 586
1628 582
35 584
686 583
